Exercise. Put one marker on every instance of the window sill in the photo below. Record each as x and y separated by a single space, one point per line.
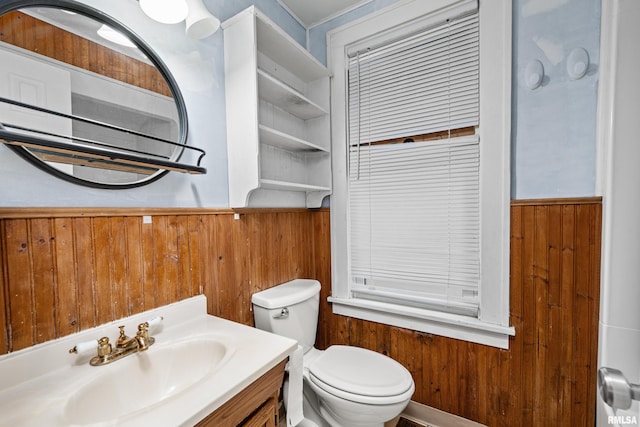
448 325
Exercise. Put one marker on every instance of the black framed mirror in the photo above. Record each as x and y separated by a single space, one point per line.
86 99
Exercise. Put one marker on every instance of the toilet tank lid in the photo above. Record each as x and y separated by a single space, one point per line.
288 293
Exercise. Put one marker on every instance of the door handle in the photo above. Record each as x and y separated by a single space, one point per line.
615 390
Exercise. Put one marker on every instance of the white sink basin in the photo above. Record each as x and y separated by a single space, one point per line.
145 379
197 363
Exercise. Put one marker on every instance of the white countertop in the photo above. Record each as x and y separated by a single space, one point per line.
35 383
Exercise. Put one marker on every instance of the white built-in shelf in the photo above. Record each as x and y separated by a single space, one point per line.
283 96
282 140
284 50
273 184
278 127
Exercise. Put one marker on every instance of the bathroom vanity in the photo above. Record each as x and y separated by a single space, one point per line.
255 406
201 370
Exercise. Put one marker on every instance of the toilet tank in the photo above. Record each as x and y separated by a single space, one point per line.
290 310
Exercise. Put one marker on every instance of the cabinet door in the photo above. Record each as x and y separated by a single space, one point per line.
37 83
266 416
249 407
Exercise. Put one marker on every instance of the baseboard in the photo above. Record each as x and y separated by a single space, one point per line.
431 417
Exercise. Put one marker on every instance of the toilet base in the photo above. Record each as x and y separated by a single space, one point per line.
314 414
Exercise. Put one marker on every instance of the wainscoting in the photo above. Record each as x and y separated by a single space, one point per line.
67 270
71 271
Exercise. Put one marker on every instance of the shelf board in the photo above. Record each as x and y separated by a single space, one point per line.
283 49
278 139
271 184
283 96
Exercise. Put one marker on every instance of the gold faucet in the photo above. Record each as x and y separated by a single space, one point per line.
140 342
124 346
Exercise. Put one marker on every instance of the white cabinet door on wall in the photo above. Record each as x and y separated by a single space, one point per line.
39 84
278 135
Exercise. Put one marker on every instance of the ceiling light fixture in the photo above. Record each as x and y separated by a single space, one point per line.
112 35
165 11
200 22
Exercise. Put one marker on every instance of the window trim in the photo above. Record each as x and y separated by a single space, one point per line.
492 327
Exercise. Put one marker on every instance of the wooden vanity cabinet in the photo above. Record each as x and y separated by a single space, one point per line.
265 416
255 406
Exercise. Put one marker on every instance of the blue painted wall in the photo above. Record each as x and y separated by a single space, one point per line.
554 126
553 141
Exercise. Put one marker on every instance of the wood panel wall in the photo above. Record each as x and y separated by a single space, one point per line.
61 274
65 274
32 34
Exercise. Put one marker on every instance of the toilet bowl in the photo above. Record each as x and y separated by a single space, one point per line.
344 386
359 387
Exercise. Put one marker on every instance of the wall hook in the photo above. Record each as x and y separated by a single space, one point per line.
577 63
533 74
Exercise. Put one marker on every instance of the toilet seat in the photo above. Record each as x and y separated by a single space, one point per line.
361 375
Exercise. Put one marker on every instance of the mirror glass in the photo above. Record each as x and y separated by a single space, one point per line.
109 86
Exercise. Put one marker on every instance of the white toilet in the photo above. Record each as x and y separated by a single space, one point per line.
343 386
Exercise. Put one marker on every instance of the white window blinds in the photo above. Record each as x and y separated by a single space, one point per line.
414 207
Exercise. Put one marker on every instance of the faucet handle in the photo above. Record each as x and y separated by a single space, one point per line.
143 329
144 340
104 347
155 321
84 347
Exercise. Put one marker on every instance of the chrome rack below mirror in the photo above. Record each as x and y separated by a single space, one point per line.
87 152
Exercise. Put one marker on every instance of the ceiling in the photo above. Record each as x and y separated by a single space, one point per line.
311 12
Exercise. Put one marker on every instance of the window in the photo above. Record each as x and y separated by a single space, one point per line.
420 210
